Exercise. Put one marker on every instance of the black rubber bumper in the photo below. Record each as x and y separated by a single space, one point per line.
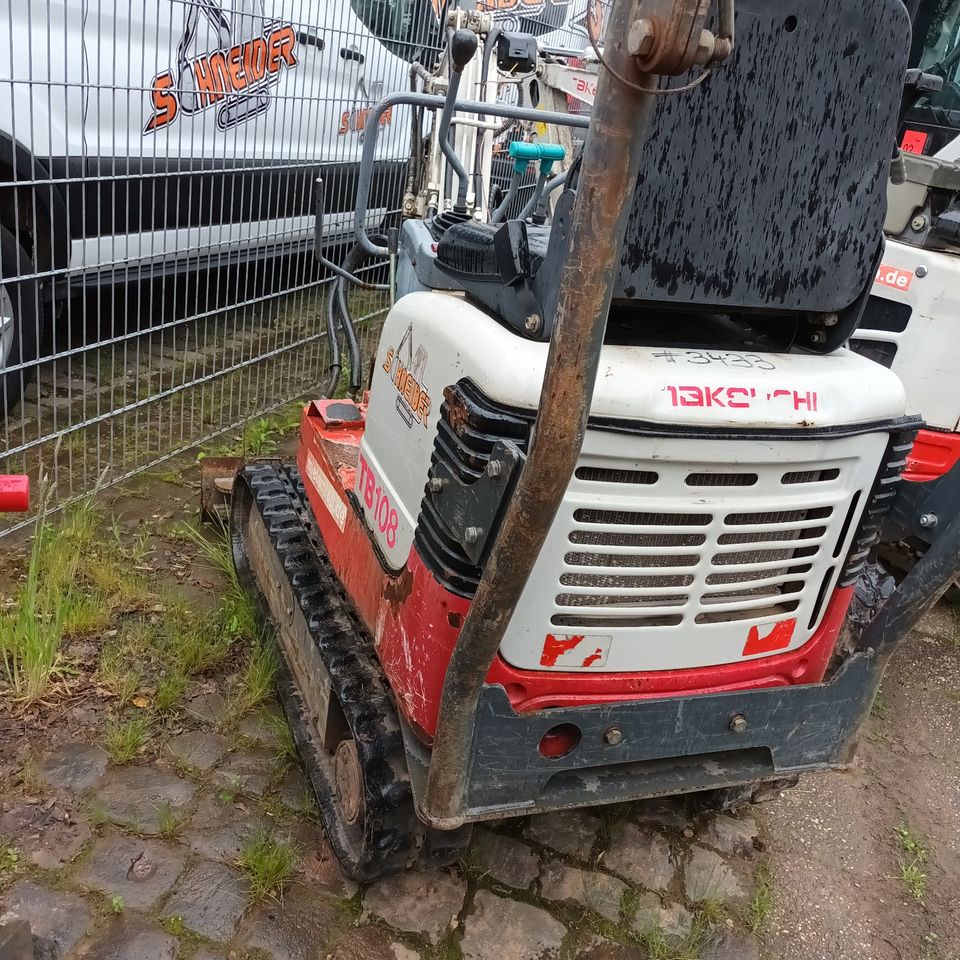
661 746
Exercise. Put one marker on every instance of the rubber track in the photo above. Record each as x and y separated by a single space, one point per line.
392 833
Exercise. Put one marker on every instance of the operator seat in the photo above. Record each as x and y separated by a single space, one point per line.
761 200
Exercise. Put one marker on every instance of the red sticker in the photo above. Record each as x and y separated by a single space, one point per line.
894 277
778 638
914 141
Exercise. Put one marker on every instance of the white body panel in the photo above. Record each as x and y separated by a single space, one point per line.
928 349
431 340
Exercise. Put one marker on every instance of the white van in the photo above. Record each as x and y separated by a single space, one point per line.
144 137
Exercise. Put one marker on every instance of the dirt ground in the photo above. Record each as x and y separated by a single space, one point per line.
147 856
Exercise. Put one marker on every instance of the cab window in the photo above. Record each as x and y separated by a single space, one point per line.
405 27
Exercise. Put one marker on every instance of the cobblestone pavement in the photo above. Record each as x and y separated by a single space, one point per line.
142 861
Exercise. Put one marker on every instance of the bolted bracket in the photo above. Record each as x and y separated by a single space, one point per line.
471 512
669 37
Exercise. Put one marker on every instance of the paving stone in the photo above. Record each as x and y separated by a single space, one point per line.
219 831
365 943
671 813
205 953
132 938
709 877
296 792
199 749
732 946
570 831
612 951
299 928
135 796
262 725
208 707
505 859
734 837
73 766
16 940
210 899
419 902
48 835
140 871
400 952
590 888
673 920
52 914
320 870
246 771
501 929
640 854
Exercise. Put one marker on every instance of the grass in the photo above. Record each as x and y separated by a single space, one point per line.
910 866
9 864
169 821
117 903
260 437
254 684
658 946
32 633
125 738
757 911
711 912
269 862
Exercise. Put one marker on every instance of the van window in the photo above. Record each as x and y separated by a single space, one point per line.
405 27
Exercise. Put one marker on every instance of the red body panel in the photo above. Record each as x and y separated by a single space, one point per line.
933 455
415 620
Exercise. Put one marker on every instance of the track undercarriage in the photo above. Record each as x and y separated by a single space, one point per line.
336 699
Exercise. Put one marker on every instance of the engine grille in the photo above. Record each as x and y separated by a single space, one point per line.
755 583
670 560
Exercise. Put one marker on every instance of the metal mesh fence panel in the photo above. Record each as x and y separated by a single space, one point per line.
157 170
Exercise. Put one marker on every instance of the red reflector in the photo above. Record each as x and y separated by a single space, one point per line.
914 141
560 740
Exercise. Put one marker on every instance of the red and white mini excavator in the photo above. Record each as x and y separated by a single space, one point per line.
593 531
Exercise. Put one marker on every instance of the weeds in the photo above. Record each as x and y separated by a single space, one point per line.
169 821
117 903
124 739
761 903
32 633
255 682
911 871
9 863
269 862
658 946
170 691
260 437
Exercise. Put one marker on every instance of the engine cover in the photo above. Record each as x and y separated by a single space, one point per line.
712 512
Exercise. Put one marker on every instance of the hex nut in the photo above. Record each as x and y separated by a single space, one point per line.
533 323
739 723
641 38
613 736
472 534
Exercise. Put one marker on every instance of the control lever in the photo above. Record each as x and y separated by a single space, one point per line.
462 47
522 155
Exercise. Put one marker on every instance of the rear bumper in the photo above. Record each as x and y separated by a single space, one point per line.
669 745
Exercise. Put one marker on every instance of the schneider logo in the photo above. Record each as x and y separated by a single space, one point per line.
235 78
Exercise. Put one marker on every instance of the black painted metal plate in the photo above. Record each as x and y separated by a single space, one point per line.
763 189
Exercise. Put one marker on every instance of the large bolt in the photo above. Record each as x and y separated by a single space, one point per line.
928 520
641 38
435 485
613 736
739 724
494 469
533 323
917 224
472 534
705 48
830 319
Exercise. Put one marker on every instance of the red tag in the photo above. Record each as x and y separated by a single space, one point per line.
893 277
914 141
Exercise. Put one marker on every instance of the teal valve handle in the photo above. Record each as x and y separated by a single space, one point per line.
547 153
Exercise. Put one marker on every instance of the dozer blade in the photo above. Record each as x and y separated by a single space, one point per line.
334 694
